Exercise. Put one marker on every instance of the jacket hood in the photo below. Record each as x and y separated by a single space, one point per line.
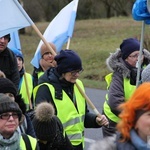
115 63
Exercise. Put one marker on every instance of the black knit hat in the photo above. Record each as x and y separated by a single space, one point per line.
45 122
7 105
68 60
7 86
128 46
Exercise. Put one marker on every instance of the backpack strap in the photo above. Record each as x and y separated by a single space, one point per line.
27 141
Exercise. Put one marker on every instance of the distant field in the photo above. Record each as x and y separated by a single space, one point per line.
93 40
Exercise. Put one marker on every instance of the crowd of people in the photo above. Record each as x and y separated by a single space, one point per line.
46 110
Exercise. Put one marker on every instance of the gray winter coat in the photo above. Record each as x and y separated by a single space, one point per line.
120 71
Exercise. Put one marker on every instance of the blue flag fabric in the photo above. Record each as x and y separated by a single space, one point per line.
13 17
140 11
59 30
15 41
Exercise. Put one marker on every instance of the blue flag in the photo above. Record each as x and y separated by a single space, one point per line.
15 41
140 11
59 30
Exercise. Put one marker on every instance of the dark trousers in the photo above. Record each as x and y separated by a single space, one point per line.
111 130
78 147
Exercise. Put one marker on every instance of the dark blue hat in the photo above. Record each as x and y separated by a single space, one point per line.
67 61
18 53
128 46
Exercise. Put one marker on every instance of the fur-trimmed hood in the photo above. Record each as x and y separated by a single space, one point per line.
115 63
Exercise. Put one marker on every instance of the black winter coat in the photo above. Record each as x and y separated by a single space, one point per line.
51 76
8 64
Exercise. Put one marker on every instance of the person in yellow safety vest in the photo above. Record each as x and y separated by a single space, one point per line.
10 118
26 79
46 61
121 83
58 86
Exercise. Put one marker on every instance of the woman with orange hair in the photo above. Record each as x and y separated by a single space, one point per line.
134 126
133 130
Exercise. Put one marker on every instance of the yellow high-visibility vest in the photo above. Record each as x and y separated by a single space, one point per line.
71 118
23 89
128 91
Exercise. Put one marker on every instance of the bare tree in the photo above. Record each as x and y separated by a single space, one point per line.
117 7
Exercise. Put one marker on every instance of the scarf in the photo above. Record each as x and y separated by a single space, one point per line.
138 142
12 143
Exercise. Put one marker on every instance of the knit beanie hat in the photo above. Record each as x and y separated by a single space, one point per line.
44 122
7 86
7 105
128 46
44 48
18 53
145 76
67 61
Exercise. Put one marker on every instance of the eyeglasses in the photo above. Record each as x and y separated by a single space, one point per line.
6 116
76 71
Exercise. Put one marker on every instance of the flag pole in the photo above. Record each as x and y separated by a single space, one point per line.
140 54
88 101
68 43
26 85
43 39
35 28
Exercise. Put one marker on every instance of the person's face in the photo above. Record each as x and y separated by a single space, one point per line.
48 57
20 63
143 125
3 43
72 76
133 58
11 96
8 124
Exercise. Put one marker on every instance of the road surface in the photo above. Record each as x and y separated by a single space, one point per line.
97 97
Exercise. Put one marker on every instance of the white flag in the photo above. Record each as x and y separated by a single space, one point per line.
59 30
13 17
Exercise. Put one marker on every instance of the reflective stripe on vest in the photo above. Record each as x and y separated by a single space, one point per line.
23 90
33 142
128 90
72 120
40 74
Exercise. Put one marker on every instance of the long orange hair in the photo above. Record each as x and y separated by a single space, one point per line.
140 100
